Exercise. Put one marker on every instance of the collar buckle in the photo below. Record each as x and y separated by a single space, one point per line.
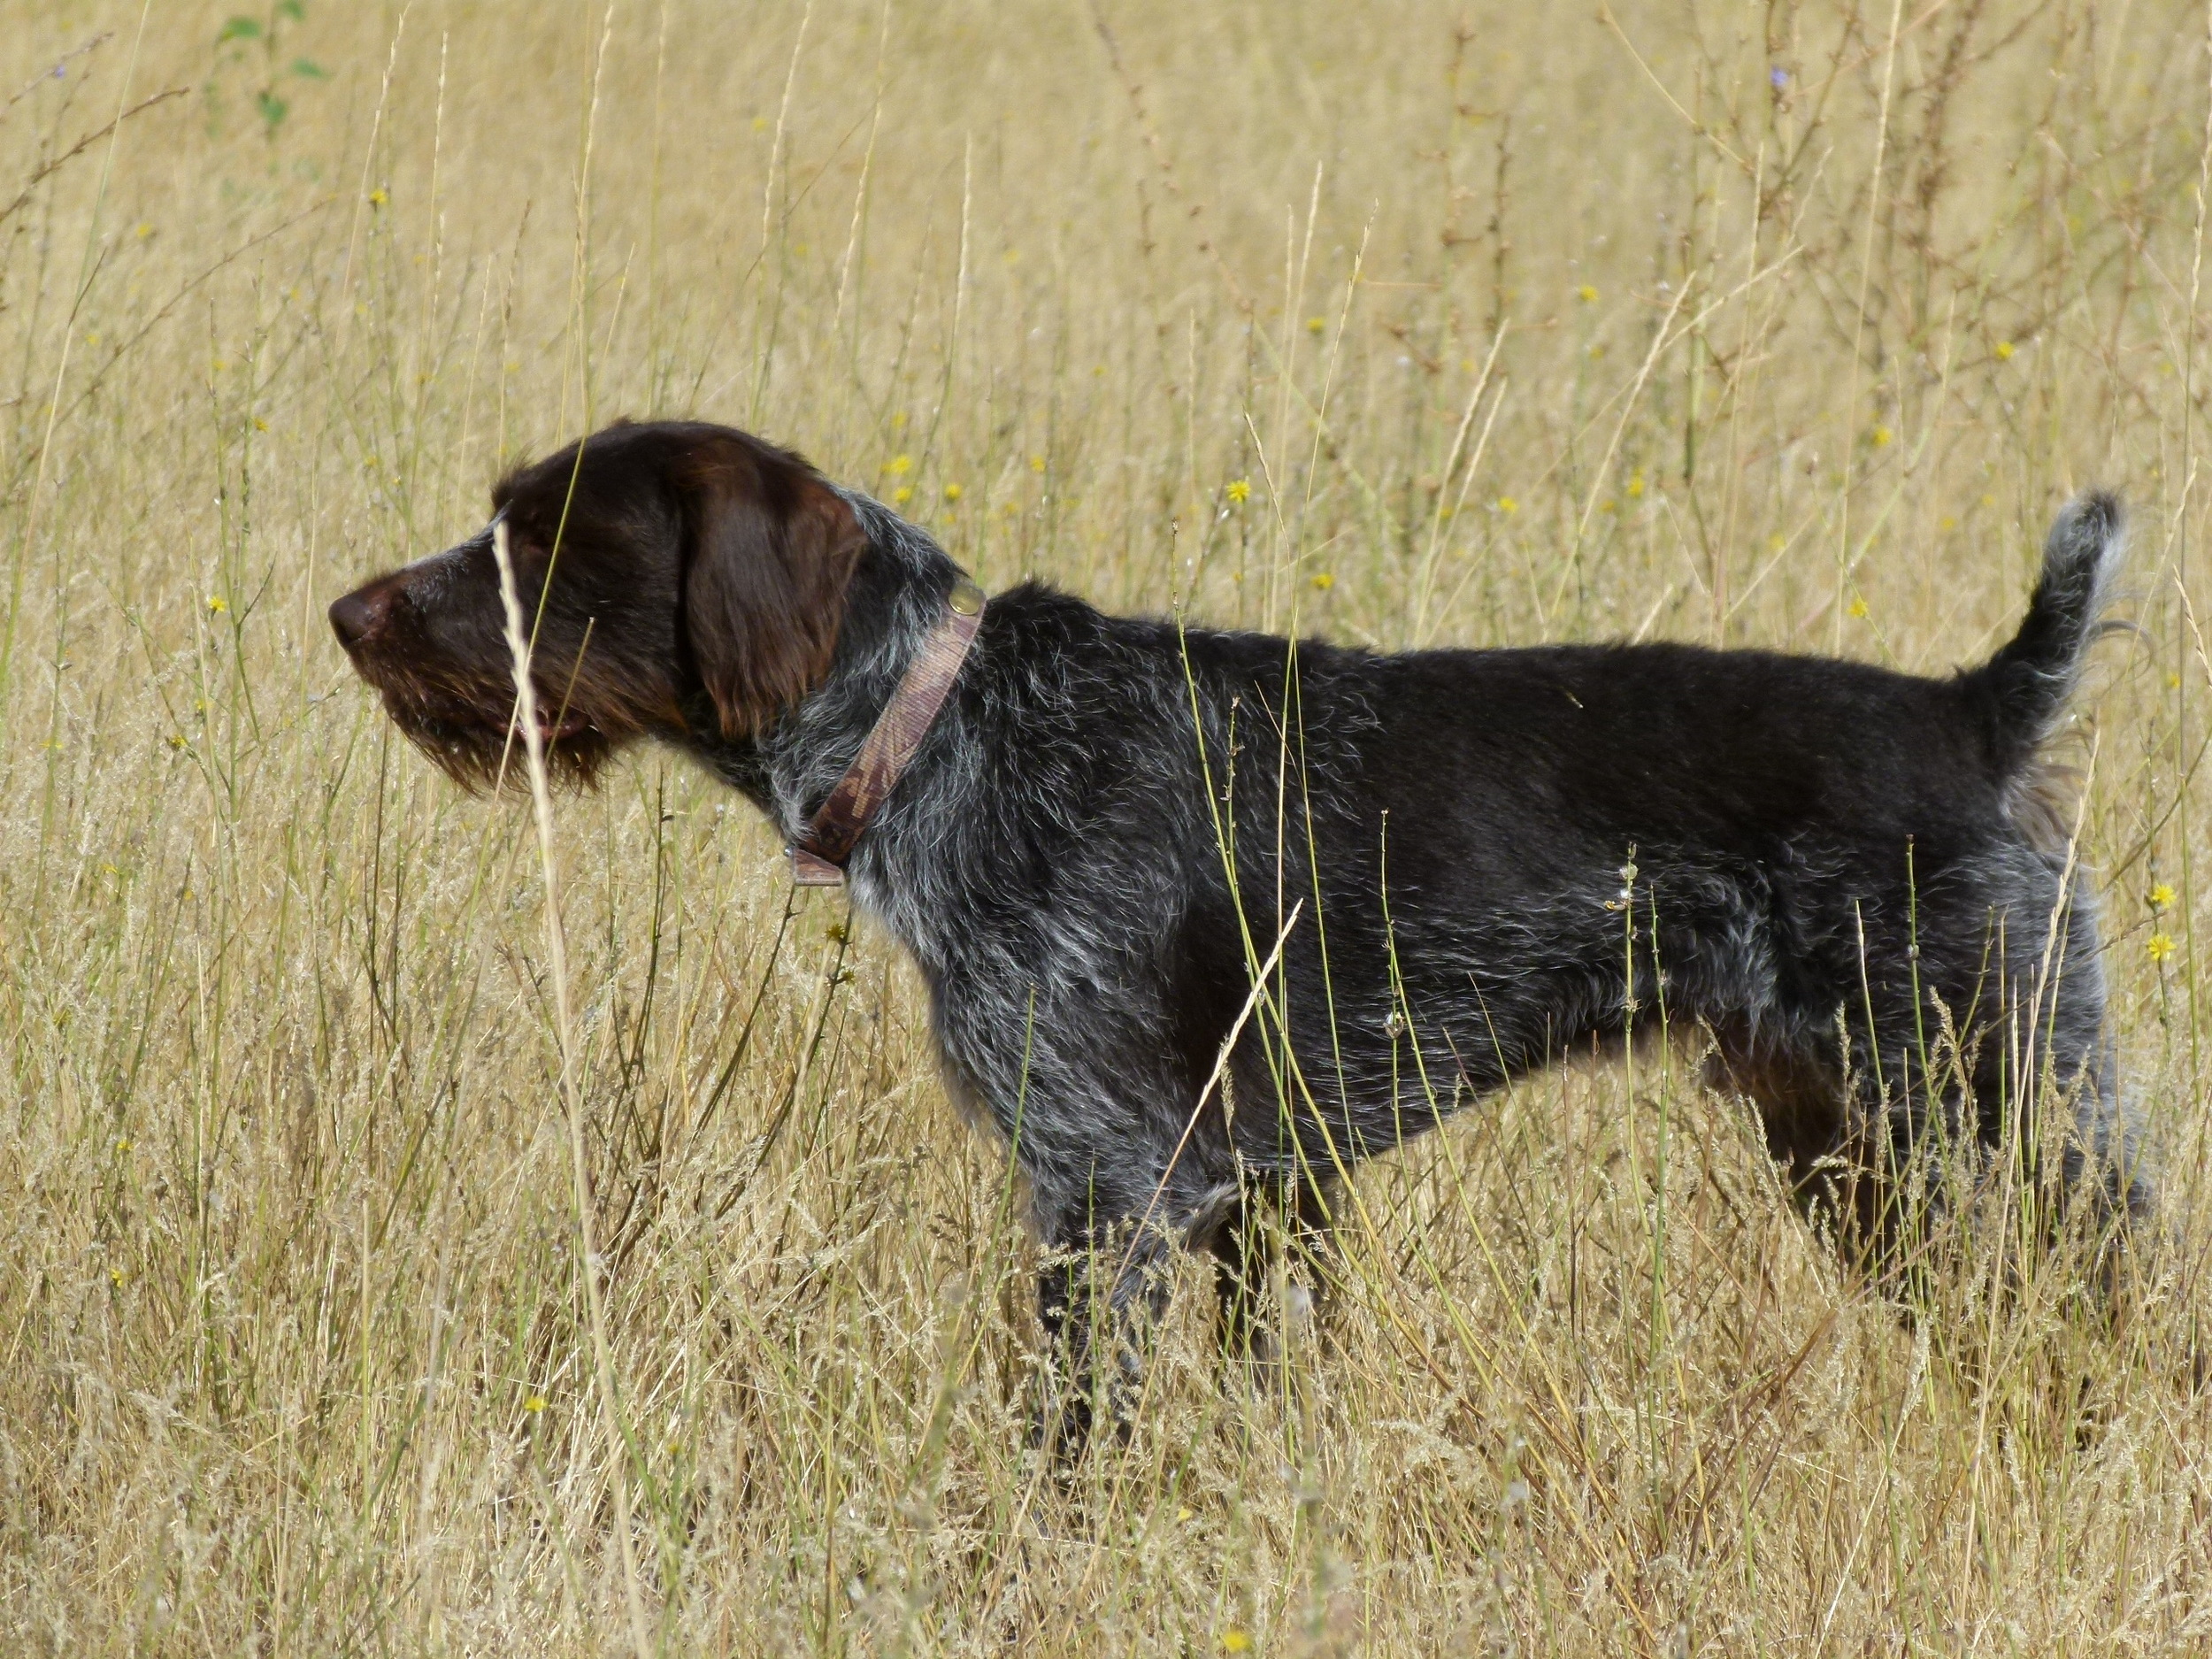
819 856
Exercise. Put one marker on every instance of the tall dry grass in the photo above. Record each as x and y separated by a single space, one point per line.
1746 324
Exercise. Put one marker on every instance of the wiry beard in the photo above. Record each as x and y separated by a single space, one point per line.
479 742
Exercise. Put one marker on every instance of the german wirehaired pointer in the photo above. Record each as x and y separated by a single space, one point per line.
1207 918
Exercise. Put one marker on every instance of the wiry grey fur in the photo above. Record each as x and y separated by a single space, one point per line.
1053 866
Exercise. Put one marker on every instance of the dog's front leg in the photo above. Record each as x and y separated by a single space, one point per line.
1271 1268
1103 1286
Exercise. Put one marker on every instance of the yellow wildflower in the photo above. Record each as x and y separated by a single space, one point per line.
535 1404
2161 896
1880 436
1857 607
1323 580
1240 491
1314 325
900 465
217 603
1586 293
2004 351
378 196
904 494
1236 1639
952 492
2161 945
1507 504
1036 463
1636 485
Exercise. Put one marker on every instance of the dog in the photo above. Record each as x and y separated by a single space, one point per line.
1207 918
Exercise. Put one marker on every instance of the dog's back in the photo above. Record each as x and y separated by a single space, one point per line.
1845 873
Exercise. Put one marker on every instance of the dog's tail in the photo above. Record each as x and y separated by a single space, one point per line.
2025 688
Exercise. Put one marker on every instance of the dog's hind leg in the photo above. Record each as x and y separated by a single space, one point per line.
1845 1145
1803 1100
2051 1056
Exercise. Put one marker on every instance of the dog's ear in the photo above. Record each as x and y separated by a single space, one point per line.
770 552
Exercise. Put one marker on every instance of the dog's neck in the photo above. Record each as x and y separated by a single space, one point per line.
899 589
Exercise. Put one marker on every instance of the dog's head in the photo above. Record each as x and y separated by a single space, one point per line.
670 574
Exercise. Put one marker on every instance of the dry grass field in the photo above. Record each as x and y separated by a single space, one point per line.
1757 324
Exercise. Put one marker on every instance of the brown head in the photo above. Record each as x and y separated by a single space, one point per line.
677 576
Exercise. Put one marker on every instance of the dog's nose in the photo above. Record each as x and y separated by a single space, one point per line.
361 615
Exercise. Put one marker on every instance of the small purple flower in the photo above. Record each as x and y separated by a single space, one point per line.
1779 76
60 70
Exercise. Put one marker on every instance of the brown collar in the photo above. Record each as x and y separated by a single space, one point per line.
818 859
